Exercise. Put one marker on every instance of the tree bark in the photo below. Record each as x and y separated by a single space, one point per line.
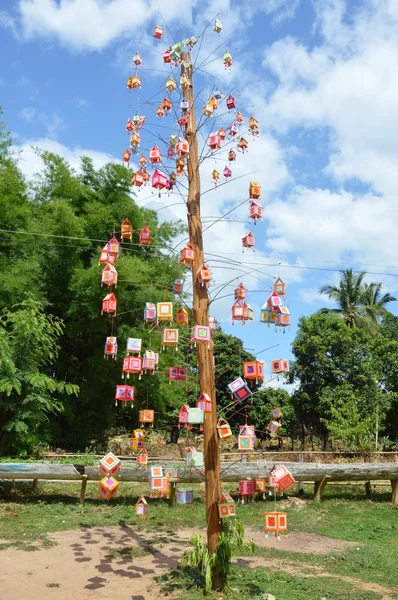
201 315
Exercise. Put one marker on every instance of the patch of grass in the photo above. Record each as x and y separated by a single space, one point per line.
130 552
53 585
254 584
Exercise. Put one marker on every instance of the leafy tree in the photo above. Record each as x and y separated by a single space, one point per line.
333 363
260 412
29 393
360 304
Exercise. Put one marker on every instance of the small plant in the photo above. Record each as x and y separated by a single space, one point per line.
230 542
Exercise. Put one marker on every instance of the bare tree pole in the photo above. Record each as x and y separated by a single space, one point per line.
201 304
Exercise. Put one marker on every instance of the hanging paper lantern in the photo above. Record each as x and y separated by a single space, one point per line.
110 348
212 324
240 292
245 442
133 365
109 464
183 416
143 160
146 416
276 413
233 130
166 57
241 311
135 140
217 26
155 155
142 457
194 459
133 82
215 176
178 287
279 287
184 105
126 230
231 156
166 104
195 416
108 487
134 345
129 125
184 497
109 304
214 140
183 120
124 393
240 390
227 60
274 301
246 487
113 247
283 317
222 134
126 157
227 172
187 254
159 180
109 276
253 126
177 373
149 312
230 102
137 60
148 364
145 236
239 118
208 109
283 477
200 334
253 370
280 366
171 85
223 429
213 102
217 94
226 506
165 311
255 211
182 147
170 338
104 255
158 32
137 179
204 402
182 316
247 430
141 506
183 81
160 112
254 190
203 276
180 165
275 522
242 145
248 240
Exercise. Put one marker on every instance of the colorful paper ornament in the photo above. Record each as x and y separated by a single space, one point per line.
184 497
226 506
124 393
187 254
280 366
126 230
133 365
239 389
150 312
141 507
275 522
182 316
109 305
204 402
108 487
195 416
109 464
224 429
253 370
200 334
110 347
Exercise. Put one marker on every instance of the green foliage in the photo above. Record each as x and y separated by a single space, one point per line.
29 393
259 412
230 542
338 391
360 304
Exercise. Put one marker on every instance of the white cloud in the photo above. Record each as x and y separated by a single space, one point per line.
280 9
53 123
28 113
7 22
87 25
30 162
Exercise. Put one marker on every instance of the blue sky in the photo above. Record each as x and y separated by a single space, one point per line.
320 77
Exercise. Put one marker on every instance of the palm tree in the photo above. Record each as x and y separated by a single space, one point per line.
360 304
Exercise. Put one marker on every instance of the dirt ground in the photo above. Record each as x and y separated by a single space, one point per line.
83 565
